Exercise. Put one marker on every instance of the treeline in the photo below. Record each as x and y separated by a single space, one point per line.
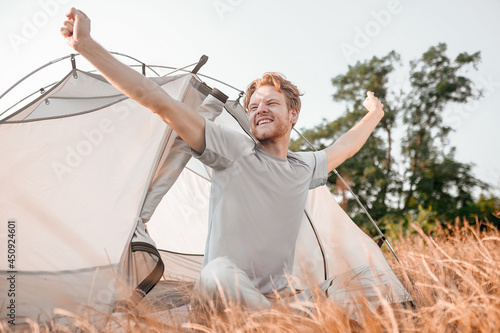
425 182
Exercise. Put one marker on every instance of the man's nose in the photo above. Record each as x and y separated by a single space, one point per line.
262 108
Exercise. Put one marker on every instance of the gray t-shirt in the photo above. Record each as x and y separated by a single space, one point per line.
256 203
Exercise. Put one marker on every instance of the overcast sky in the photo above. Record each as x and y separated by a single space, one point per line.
309 41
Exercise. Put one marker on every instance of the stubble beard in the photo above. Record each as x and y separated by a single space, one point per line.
280 129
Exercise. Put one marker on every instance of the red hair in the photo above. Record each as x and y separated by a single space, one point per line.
282 85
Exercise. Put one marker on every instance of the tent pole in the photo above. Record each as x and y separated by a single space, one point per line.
382 236
201 62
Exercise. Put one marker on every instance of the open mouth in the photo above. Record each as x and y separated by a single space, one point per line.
263 121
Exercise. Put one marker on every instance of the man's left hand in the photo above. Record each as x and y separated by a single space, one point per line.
372 103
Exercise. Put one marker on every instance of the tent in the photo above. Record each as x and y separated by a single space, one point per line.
85 169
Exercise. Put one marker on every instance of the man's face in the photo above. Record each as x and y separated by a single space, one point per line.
269 116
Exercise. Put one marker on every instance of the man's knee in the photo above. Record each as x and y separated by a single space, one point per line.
217 274
221 280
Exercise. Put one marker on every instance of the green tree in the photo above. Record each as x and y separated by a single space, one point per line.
435 178
427 174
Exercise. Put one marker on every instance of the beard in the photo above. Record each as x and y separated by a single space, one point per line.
272 131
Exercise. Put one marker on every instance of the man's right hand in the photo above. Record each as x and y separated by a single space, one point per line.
76 29
188 124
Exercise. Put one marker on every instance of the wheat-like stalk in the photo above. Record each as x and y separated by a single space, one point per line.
456 273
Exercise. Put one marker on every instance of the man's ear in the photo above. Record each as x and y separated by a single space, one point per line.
294 116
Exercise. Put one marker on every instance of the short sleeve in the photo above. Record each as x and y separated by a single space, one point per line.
222 146
318 162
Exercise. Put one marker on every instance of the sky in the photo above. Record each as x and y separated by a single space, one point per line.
310 42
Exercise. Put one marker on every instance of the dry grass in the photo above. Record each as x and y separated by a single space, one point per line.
456 272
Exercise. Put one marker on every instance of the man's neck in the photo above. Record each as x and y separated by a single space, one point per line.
278 149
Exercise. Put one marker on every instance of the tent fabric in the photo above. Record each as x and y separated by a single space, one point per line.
142 268
85 170
75 178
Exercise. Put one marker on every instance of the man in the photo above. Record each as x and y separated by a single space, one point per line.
259 189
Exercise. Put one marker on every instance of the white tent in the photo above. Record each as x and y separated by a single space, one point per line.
83 168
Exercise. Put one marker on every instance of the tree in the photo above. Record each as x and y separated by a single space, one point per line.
435 178
427 174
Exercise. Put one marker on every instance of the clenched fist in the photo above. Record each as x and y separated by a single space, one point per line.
372 103
76 28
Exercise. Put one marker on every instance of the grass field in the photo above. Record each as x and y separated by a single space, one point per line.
456 273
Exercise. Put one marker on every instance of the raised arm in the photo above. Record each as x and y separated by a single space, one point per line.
352 141
181 118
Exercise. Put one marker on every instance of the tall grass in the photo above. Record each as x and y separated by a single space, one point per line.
456 274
